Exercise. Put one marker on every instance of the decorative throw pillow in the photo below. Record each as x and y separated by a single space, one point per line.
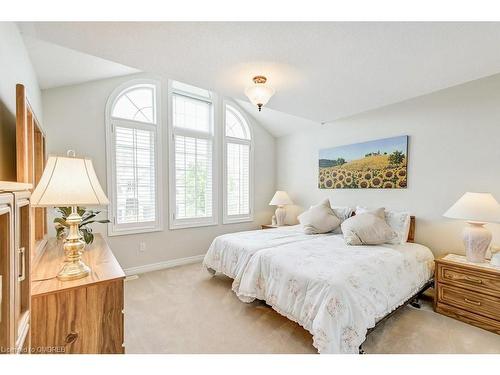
319 219
398 221
367 229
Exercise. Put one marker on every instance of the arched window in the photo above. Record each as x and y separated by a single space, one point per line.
236 125
132 130
136 103
238 173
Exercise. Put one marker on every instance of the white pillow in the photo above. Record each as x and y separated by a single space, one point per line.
398 221
367 229
375 211
319 219
343 213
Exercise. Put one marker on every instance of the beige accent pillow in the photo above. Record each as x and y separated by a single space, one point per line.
367 229
319 219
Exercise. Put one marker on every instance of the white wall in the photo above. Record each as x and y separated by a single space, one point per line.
74 119
15 67
454 147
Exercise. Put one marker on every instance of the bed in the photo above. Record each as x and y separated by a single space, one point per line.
335 291
230 253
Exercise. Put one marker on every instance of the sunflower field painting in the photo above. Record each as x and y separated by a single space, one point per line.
379 164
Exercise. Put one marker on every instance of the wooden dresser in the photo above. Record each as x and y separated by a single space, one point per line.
469 292
78 316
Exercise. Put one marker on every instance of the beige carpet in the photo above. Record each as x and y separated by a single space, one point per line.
185 310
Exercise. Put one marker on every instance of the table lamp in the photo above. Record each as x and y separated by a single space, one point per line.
477 209
70 181
280 199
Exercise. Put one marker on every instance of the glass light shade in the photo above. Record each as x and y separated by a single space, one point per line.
68 181
280 198
260 93
475 207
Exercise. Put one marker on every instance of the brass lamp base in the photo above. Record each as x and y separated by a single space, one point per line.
73 271
73 267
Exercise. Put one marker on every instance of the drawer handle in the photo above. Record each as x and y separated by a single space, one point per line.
71 338
477 303
22 274
473 280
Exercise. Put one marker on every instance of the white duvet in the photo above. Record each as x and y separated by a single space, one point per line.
230 253
335 291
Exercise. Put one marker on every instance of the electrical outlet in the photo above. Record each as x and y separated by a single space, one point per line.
142 247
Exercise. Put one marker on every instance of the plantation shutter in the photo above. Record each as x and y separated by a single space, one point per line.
193 159
193 177
135 174
238 179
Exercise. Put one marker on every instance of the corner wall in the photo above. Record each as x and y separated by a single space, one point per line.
15 67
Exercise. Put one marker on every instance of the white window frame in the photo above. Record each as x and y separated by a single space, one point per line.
175 223
232 219
115 229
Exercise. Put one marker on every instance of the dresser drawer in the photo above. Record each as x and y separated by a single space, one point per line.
471 301
87 320
463 277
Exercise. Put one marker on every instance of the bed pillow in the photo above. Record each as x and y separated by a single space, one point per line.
319 219
367 229
398 221
343 213
380 212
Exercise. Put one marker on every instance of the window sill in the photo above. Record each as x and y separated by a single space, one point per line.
191 224
229 220
112 232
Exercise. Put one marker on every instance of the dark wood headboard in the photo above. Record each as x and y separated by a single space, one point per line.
411 232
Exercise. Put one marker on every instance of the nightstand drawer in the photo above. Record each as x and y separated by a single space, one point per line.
469 279
468 300
470 318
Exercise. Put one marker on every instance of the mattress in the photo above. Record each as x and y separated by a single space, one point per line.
336 292
230 253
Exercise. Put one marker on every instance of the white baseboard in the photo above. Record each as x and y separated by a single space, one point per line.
163 265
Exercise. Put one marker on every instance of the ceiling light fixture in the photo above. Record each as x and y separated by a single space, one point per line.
259 93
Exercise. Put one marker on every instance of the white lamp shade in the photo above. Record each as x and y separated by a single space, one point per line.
259 94
280 198
68 181
475 207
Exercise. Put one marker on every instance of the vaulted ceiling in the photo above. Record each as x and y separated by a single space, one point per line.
57 66
321 71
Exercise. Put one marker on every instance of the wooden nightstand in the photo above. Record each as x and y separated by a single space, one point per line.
469 292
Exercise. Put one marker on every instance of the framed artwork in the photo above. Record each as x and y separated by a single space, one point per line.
378 164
